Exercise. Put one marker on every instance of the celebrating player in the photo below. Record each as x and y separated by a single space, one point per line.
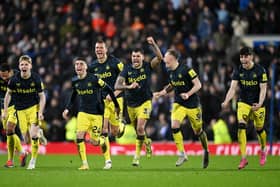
135 80
185 83
252 80
88 87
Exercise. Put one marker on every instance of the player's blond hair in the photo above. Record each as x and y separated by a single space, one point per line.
25 58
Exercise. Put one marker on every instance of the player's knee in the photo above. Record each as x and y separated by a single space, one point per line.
34 138
114 131
260 130
242 126
140 137
9 133
176 130
140 130
80 140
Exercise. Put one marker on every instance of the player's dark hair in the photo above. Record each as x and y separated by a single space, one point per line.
246 51
5 67
100 40
137 50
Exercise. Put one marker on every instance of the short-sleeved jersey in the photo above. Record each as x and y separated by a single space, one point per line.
107 71
25 91
136 97
181 80
249 82
89 92
3 89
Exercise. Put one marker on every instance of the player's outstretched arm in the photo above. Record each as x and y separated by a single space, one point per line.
230 93
156 60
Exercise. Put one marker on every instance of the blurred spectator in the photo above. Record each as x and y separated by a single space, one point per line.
221 133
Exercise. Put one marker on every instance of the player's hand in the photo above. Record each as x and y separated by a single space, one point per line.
224 105
133 85
256 106
108 98
159 94
65 114
40 116
184 96
151 40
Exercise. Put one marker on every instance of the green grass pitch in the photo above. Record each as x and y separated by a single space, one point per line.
61 170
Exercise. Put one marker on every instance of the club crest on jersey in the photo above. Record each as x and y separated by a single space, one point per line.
180 75
241 75
141 70
254 75
107 67
89 84
32 84
129 73
76 85
17 84
95 69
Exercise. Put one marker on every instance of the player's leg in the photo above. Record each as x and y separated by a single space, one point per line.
144 113
83 123
177 116
95 133
195 117
106 152
17 141
42 139
259 117
120 122
10 144
243 112
82 150
34 130
105 132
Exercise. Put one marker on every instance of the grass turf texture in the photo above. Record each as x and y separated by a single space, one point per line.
61 170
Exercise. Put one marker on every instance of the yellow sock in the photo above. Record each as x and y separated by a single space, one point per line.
138 145
10 147
178 139
107 154
262 139
17 144
82 151
242 141
34 148
203 139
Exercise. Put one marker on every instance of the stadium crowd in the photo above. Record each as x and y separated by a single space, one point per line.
207 33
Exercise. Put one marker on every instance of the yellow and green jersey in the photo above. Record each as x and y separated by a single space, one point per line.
181 81
249 83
